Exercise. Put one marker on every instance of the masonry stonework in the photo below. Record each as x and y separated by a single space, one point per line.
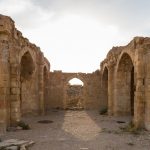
21 75
58 81
27 87
128 81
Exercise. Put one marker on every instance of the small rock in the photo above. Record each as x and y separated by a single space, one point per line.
15 144
19 128
10 129
12 148
22 147
23 125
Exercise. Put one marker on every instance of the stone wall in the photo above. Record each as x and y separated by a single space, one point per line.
59 84
21 75
122 85
128 80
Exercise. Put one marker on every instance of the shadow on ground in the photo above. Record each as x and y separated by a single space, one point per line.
79 130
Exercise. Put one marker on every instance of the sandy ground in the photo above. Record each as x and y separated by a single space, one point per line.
81 130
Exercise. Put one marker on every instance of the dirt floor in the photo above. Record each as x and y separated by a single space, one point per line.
81 130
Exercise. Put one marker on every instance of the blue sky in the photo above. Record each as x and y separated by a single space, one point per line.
76 35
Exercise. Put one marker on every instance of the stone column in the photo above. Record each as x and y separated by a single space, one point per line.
4 86
110 90
139 94
15 93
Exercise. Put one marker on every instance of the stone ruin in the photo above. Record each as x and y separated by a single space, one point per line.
27 86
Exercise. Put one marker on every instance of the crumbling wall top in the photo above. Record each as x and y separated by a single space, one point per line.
6 24
11 34
113 54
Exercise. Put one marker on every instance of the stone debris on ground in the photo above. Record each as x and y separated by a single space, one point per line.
15 144
14 129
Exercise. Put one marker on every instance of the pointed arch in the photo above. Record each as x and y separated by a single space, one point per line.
27 68
75 81
124 91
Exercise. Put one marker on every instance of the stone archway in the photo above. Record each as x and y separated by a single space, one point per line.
78 90
124 91
27 68
74 95
105 88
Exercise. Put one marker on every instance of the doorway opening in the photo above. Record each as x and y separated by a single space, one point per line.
26 70
75 94
125 86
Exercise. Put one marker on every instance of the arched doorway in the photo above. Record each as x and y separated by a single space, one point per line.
26 70
125 86
104 103
75 94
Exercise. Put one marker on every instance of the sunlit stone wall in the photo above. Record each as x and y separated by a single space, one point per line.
59 85
128 81
22 85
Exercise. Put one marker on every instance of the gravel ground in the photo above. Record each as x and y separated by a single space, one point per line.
80 130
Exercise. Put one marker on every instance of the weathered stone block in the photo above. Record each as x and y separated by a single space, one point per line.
2 102
15 90
14 70
4 91
14 83
15 97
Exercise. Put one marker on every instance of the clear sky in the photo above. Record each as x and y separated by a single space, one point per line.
76 35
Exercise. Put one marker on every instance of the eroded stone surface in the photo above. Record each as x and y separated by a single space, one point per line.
23 74
122 85
128 80
90 95
15 144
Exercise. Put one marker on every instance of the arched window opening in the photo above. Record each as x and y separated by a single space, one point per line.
76 81
27 66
